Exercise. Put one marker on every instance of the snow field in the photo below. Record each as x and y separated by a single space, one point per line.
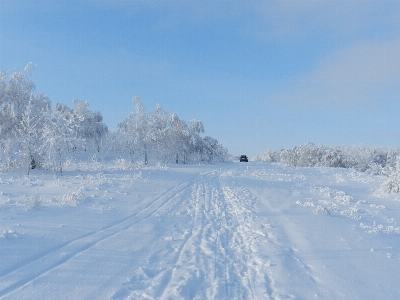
227 231
321 249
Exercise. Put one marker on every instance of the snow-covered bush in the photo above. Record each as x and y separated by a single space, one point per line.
360 158
73 198
125 164
392 185
378 161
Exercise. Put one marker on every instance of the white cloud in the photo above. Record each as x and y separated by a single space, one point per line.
359 75
295 20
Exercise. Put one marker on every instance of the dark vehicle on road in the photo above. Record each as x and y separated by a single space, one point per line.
244 158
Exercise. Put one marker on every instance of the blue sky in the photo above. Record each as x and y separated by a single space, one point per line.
259 74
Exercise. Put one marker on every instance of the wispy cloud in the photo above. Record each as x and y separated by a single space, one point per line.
358 75
290 21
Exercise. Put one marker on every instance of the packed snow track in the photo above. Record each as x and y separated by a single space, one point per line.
228 231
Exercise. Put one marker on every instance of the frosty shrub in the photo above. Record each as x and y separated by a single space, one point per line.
319 210
124 164
8 233
360 158
267 156
73 198
392 185
373 160
34 202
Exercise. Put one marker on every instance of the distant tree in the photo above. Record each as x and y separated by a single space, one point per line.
180 136
134 130
360 158
33 133
166 136
158 133
214 150
392 184
58 138
196 128
88 125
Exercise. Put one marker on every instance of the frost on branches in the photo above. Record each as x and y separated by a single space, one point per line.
166 137
22 118
34 134
360 158
378 161
392 185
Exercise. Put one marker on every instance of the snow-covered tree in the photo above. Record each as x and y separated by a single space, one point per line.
196 128
133 130
14 97
392 184
166 136
32 132
28 136
58 138
181 137
214 151
158 133
22 117
88 125
361 158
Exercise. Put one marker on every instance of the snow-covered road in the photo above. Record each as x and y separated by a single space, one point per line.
228 231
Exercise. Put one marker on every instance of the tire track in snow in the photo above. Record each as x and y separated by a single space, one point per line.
180 258
27 273
196 260
157 284
217 259
245 266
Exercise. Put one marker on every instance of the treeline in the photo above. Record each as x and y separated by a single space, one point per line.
36 134
374 160
164 136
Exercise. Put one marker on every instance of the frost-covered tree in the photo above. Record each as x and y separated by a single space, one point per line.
360 158
14 97
214 151
32 132
58 138
158 133
133 130
392 184
88 125
28 136
196 128
166 136
181 136
22 117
